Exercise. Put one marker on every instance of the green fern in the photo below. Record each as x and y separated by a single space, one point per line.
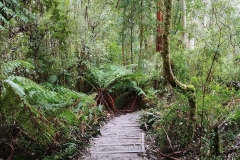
63 107
126 89
47 96
8 68
18 89
44 113
36 94
16 110
108 79
109 75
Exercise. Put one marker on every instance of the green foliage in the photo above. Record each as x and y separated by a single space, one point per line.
48 96
60 36
36 94
16 110
11 67
170 126
114 52
13 9
49 126
107 75
69 149
115 80
110 76
46 115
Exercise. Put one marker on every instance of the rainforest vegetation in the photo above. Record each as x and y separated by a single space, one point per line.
68 65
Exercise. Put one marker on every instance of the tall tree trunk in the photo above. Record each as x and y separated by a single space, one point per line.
184 24
159 38
123 54
131 43
131 34
188 90
123 46
141 37
123 41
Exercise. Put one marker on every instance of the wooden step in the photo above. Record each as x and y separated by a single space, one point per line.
117 152
120 144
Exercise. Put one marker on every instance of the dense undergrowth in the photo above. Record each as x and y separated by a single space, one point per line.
47 121
216 131
43 121
32 132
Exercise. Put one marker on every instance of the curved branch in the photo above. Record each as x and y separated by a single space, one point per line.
12 151
188 90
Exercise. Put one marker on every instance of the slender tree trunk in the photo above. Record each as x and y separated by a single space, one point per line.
131 44
123 46
123 42
123 54
184 24
159 41
159 38
131 34
141 37
188 90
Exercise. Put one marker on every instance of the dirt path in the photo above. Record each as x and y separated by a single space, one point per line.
122 139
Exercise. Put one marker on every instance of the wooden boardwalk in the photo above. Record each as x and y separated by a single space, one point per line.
122 139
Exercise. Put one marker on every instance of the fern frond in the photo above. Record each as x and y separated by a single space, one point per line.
65 92
36 94
96 77
115 74
8 68
48 96
18 89
26 83
85 102
22 99
107 75
139 90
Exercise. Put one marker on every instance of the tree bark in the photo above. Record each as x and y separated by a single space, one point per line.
131 34
184 24
131 43
188 90
159 37
141 37
123 48
123 41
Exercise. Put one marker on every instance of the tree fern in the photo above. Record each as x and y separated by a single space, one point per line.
108 75
126 90
113 78
116 73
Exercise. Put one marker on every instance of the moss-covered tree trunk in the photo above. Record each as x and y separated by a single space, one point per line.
188 90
